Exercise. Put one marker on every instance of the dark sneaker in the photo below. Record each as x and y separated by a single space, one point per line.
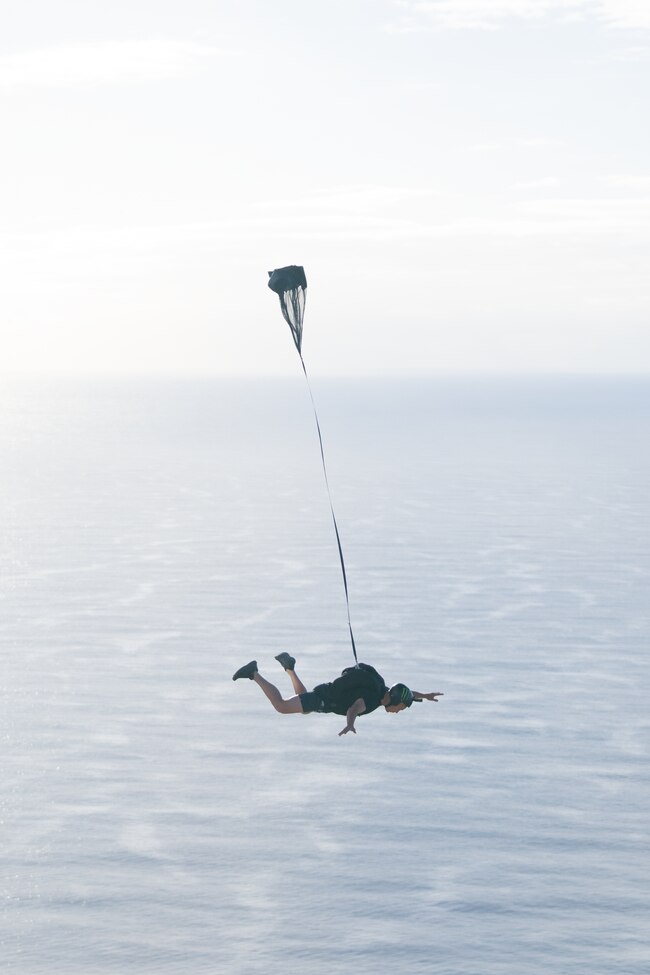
287 661
248 670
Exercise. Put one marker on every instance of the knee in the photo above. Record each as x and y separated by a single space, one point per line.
291 706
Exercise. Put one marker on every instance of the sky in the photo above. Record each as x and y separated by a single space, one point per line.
466 182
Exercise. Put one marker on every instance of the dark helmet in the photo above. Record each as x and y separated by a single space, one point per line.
401 694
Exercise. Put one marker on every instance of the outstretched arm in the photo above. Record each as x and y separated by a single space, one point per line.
432 696
354 711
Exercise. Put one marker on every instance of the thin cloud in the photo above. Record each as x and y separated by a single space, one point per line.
535 143
483 14
626 216
540 217
80 249
493 14
635 52
624 14
628 181
543 183
105 63
361 198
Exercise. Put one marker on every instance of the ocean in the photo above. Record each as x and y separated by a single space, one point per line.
158 818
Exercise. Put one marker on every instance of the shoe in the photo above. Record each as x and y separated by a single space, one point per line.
248 670
287 661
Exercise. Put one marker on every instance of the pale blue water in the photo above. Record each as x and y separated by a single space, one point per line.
157 818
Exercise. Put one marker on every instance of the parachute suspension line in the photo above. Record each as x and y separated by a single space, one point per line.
290 285
329 496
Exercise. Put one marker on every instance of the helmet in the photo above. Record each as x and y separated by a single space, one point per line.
401 694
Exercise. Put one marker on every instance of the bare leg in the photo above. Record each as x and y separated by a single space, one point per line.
298 685
291 706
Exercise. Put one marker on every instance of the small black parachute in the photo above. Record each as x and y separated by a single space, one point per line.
290 284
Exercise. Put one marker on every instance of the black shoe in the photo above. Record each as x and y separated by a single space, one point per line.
287 661
248 670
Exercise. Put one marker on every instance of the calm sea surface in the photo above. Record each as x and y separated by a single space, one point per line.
157 818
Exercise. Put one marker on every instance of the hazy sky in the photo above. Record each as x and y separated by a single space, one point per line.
467 183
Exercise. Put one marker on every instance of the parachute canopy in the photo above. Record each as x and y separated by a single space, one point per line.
290 284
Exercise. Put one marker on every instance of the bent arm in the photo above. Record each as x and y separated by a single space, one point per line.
431 696
353 713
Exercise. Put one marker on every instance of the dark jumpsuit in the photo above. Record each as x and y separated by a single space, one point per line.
339 695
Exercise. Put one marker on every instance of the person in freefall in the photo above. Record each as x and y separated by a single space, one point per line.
359 690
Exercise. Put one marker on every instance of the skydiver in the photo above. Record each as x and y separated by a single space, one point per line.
359 690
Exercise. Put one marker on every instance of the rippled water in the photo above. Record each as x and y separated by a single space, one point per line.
158 818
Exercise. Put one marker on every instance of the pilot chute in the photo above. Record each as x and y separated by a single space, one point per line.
290 284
